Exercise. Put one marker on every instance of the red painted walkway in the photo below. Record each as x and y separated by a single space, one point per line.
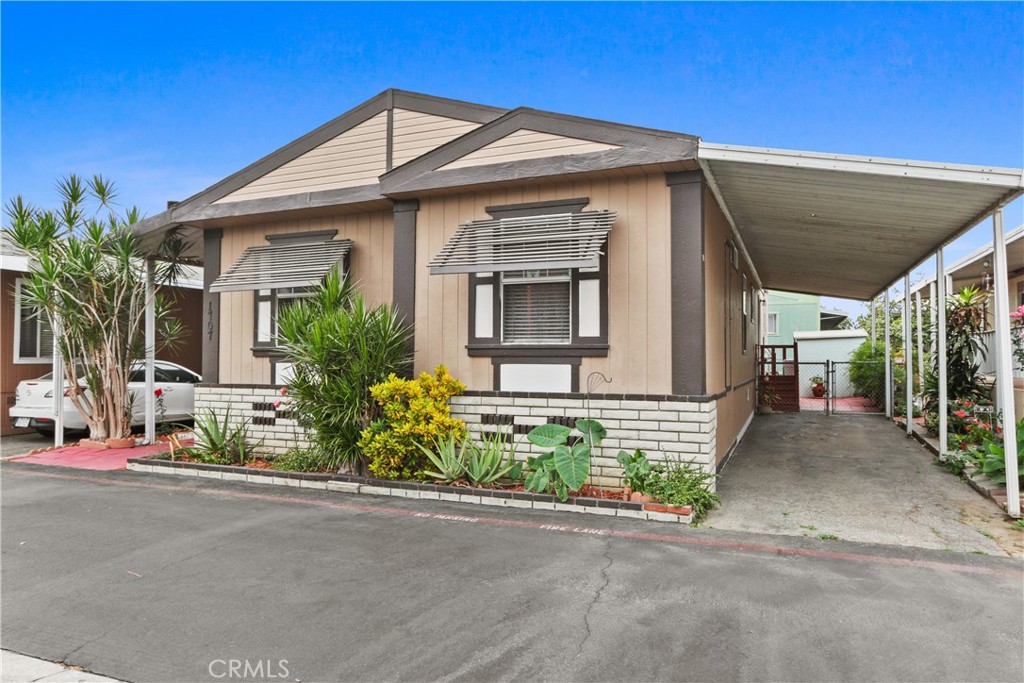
851 404
85 458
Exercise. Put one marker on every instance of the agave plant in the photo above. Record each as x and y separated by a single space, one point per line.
220 441
449 456
488 462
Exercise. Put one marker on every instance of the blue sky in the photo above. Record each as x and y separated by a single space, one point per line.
167 98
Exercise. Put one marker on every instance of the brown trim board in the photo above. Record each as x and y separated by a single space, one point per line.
211 305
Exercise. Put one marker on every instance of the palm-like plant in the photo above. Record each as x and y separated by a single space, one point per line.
88 277
339 347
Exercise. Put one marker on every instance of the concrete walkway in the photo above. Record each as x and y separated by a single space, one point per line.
855 477
15 668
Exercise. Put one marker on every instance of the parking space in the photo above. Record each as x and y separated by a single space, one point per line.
854 477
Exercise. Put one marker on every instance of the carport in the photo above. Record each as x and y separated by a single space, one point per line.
853 226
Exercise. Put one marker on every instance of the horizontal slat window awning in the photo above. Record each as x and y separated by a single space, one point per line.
566 240
285 265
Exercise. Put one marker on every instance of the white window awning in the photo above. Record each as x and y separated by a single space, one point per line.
566 240
285 265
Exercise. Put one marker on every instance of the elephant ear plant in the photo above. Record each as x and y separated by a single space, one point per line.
565 468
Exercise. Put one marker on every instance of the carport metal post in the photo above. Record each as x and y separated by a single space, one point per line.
1004 364
150 351
934 320
58 386
920 341
940 350
908 357
873 335
888 359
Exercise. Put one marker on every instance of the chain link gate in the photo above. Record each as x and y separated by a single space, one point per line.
856 387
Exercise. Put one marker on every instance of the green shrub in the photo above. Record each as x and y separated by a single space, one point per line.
867 372
636 470
679 483
298 460
339 348
415 413
990 457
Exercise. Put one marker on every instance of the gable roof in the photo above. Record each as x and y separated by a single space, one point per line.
220 199
487 153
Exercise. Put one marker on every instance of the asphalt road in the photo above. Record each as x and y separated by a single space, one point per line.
158 578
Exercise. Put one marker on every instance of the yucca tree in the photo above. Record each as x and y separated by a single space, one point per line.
339 347
88 277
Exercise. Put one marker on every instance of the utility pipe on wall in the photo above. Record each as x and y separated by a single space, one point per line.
1004 363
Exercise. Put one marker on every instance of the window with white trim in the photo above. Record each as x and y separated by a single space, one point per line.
773 323
536 307
33 338
269 304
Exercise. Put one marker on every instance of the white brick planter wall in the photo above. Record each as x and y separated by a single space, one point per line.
665 428
256 403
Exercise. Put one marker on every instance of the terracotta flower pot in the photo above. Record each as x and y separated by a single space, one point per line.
818 390
121 442
638 497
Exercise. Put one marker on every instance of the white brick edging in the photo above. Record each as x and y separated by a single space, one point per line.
376 490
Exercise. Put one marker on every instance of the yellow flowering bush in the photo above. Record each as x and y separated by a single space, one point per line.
415 411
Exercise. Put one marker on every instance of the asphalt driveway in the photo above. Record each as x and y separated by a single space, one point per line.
146 577
857 477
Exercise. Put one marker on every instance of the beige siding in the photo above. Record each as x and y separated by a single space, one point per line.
10 372
727 364
356 157
734 410
639 359
416 133
527 144
372 235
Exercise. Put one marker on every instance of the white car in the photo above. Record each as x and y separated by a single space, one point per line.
33 406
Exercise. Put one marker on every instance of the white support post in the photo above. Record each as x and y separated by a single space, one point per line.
888 357
933 308
940 351
1004 365
873 335
908 358
150 343
58 386
920 340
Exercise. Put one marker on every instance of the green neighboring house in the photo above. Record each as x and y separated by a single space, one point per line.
786 313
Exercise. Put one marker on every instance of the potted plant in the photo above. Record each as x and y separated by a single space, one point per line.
818 386
766 397
636 473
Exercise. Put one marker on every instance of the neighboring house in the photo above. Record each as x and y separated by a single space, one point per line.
543 258
26 344
789 312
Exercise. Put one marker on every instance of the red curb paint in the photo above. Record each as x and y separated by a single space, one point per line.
740 546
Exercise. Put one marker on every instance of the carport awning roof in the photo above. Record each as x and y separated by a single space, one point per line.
846 226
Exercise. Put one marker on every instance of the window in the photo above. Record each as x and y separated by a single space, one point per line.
32 333
536 307
269 303
773 323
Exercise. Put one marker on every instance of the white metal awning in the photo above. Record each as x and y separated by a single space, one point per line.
285 265
846 226
566 240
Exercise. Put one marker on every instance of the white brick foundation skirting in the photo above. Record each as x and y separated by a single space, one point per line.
273 425
665 428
